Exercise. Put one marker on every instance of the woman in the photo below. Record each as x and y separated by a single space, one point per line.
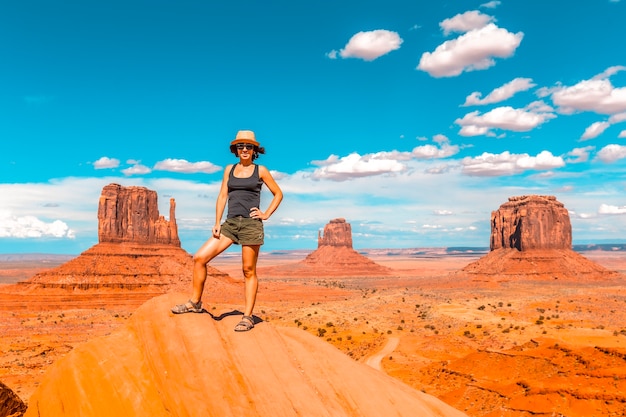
241 189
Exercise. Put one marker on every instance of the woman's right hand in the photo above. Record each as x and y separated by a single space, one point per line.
216 231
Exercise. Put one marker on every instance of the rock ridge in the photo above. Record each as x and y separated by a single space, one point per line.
159 364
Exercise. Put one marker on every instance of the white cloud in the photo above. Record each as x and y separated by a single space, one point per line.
354 165
491 4
32 227
387 162
499 94
106 162
443 212
611 153
597 95
465 22
434 152
332 54
539 106
186 167
506 163
474 50
617 118
594 130
622 134
506 118
608 209
370 45
136 169
579 154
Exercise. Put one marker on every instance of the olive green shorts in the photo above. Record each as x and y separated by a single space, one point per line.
244 230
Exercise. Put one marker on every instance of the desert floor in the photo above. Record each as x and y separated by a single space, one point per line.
541 348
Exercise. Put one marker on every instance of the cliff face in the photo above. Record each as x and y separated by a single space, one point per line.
531 238
196 365
337 233
531 222
131 214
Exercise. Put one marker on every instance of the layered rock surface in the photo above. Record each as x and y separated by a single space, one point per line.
531 238
196 365
10 403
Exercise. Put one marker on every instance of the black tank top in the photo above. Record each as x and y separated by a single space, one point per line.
243 193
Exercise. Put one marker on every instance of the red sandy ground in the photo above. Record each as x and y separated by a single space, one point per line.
511 349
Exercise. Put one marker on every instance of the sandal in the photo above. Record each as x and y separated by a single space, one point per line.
246 323
188 307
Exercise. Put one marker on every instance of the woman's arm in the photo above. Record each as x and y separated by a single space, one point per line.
220 203
269 181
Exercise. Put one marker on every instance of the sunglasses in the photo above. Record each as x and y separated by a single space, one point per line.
246 146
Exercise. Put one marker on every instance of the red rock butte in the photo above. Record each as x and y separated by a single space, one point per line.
334 256
531 238
138 249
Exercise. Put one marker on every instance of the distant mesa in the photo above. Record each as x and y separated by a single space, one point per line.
337 233
531 222
196 365
334 256
531 237
137 249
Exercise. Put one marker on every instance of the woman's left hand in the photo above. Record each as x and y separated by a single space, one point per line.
255 213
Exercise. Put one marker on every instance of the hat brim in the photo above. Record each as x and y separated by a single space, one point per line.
250 141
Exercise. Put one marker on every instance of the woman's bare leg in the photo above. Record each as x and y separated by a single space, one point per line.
249 256
209 250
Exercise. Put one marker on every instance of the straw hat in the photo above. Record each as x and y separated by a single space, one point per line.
245 136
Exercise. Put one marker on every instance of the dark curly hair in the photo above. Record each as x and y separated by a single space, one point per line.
258 150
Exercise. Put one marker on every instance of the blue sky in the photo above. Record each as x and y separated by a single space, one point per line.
413 120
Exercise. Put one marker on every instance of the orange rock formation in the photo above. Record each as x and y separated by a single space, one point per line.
334 257
10 403
138 249
131 214
195 365
531 237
